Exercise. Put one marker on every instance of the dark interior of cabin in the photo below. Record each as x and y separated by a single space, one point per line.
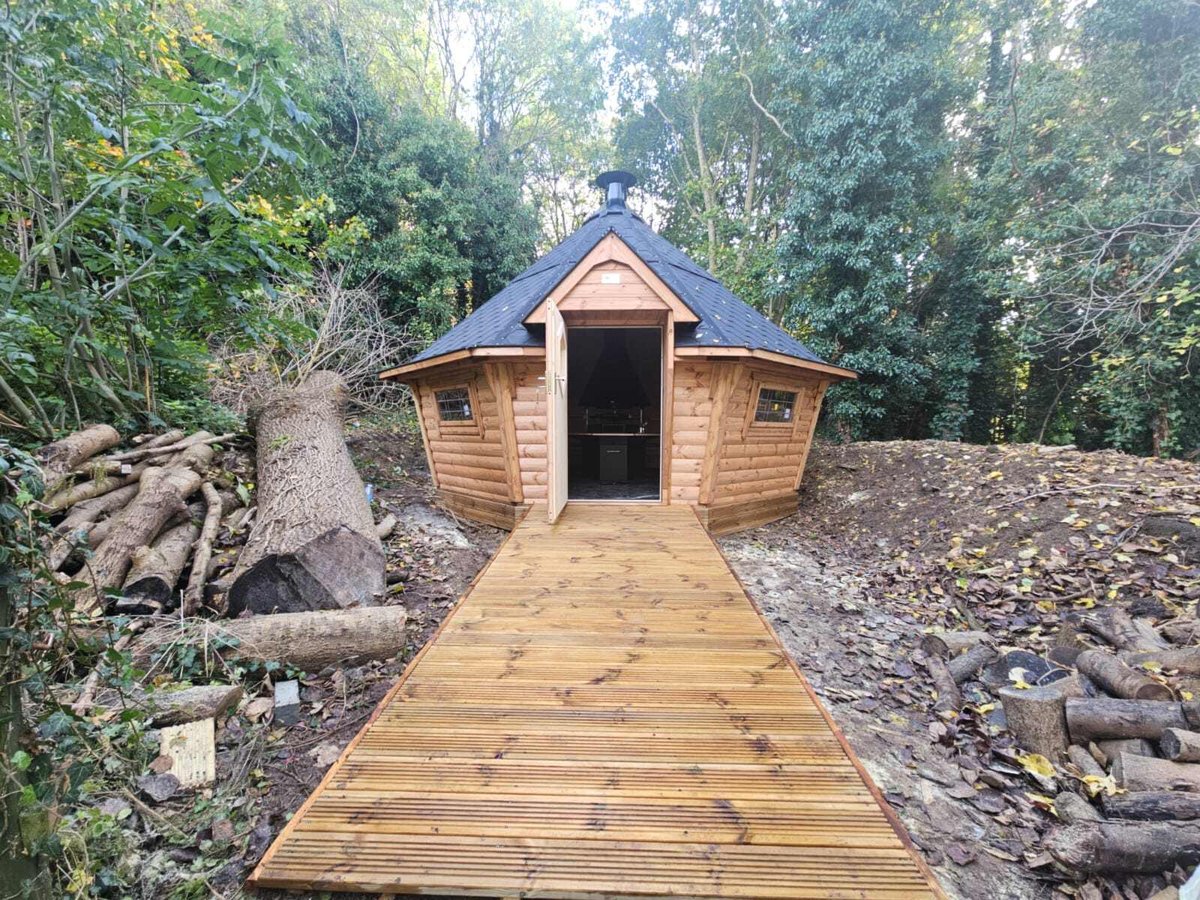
614 378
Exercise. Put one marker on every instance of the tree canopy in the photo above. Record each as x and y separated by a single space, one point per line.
987 209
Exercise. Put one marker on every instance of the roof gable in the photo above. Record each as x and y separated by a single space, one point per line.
718 320
612 248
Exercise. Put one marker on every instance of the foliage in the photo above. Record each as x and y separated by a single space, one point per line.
695 82
146 152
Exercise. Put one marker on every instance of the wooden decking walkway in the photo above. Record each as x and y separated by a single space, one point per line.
604 714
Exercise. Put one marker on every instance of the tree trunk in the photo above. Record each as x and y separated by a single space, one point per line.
949 696
1117 678
1153 806
1143 773
59 458
162 495
948 644
967 665
1074 810
94 489
313 545
307 640
1091 719
80 522
1109 848
1084 761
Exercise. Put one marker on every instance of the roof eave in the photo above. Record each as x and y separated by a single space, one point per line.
401 373
823 368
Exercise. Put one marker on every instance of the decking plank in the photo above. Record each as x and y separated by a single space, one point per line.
605 714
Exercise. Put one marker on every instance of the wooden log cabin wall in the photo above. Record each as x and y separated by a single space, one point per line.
732 422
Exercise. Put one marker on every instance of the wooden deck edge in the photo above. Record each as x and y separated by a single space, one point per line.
726 518
497 513
889 813
253 883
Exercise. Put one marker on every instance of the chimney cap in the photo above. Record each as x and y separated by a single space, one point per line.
615 184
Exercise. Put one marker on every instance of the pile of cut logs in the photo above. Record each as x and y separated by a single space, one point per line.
151 514
1111 707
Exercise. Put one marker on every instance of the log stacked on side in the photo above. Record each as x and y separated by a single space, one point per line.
1131 739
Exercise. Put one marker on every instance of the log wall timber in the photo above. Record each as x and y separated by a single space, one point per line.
498 513
529 418
466 457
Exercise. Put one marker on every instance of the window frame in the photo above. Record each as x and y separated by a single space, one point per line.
472 410
471 426
774 430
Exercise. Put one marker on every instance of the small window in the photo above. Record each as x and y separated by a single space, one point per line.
775 405
454 405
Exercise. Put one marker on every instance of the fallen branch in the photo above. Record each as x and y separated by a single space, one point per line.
193 594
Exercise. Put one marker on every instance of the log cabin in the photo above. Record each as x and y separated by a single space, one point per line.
617 369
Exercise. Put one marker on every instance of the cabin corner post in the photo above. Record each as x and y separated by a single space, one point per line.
419 409
725 376
819 397
502 382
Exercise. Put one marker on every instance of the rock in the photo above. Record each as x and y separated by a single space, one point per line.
325 755
158 788
287 703
116 807
1033 668
435 525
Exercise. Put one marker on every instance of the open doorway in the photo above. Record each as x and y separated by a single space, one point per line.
614 402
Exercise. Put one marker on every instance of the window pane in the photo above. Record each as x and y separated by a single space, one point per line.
454 405
774 406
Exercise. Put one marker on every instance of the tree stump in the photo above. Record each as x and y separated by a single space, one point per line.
313 545
1037 715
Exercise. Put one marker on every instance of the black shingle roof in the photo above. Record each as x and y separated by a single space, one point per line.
725 321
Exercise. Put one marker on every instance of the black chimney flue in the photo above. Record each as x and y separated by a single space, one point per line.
615 184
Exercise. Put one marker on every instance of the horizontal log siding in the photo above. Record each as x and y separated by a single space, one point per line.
761 460
467 461
692 406
529 410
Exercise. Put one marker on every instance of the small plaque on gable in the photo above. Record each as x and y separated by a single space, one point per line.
610 277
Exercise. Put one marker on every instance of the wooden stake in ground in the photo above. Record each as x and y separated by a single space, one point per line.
313 545
161 496
58 459
308 640
193 595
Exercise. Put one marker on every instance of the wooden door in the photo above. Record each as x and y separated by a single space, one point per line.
556 409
